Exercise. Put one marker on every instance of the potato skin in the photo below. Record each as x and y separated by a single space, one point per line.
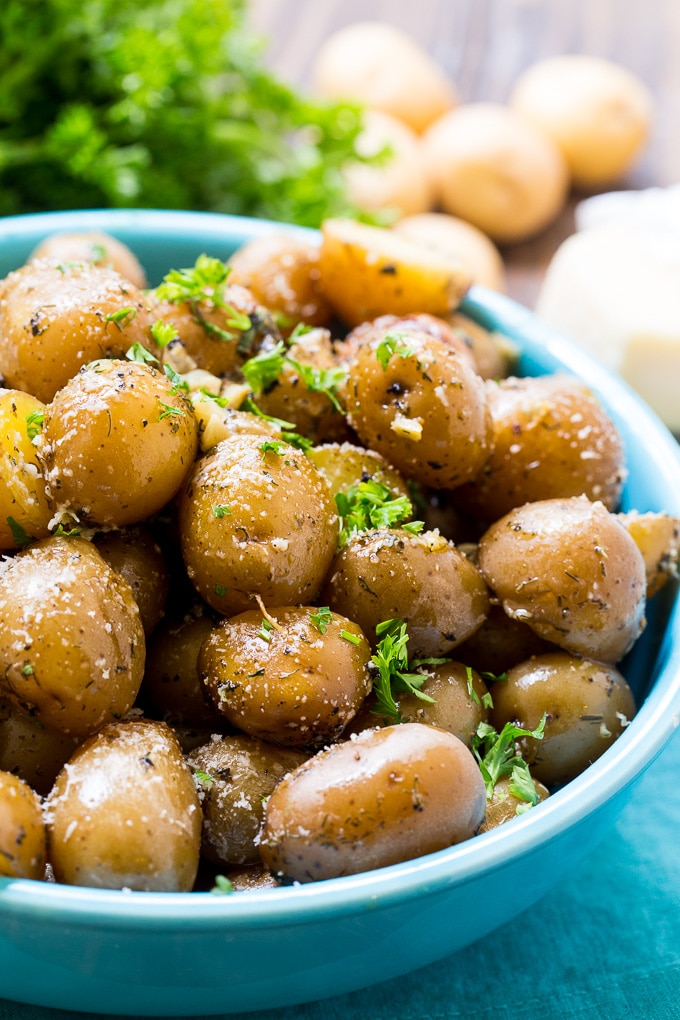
570 570
95 247
241 772
551 438
276 536
587 705
295 686
116 413
72 645
22 829
420 579
23 497
56 317
124 812
388 795
425 411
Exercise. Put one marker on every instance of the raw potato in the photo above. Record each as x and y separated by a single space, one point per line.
458 240
386 796
570 570
124 812
380 66
587 705
286 679
496 170
369 271
400 185
22 830
94 247
116 414
598 113
236 774
71 640
56 317
24 508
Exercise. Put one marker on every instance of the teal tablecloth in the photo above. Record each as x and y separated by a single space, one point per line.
605 944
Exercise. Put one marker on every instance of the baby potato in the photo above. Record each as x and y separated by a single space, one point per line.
386 796
501 642
657 536
22 830
493 354
422 580
345 464
570 570
458 240
368 271
504 804
496 170
56 317
235 775
400 185
134 554
310 405
124 812
281 272
96 248
597 112
255 517
418 402
375 330
30 750
216 423
380 66
172 685
551 438
218 334
294 678
587 705
24 509
71 640
113 414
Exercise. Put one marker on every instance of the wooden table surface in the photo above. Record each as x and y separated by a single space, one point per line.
485 44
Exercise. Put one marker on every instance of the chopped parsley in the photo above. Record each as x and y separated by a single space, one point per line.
498 755
19 535
122 317
370 504
34 424
139 353
393 344
321 619
265 368
220 590
169 411
265 630
221 510
391 670
353 639
223 886
486 701
204 282
163 333
272 446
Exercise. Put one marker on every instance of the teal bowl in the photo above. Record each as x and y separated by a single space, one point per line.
187 954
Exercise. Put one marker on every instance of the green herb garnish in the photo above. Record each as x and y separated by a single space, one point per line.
121 317
393 344
163 333
223 886
370 504
19 535
221 510
34 424
139 353
498 755
392 665
321 619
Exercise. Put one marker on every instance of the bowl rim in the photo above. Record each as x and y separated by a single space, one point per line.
621 765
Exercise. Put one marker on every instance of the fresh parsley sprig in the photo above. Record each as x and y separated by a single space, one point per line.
392 672
265 368
498 755
371 504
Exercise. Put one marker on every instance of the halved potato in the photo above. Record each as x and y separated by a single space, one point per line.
370 271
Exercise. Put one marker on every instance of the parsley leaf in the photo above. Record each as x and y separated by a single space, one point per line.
498 755
391 662
390 345
370 504
321 619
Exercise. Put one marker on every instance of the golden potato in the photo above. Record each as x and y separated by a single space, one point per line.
459 240
235 775
134 554
281 272
422 580
399 186
296 677
657 536
124 812
493 168
56 317
504 804
380 66
419 403
96 248
386 796
551 438
370 271
116 414
586 704
22 830
345 464
24 508
597 112
71 640
570 570
255 517
31 750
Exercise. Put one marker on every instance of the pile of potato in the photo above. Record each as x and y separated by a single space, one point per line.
198 626
497 173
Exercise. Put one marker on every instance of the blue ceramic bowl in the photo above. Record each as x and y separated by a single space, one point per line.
189 954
